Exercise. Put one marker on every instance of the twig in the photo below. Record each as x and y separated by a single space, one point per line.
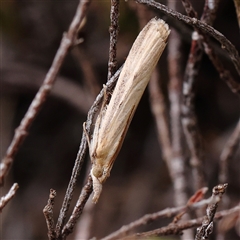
196 198
203 27
85 193
48 213
224 74
81 154
158 107
228 152
11 193
177 167
210 11
189 8
26 78
173 229
68 40
237 6
207 224
143 13
157 99
208 17
113 30
189 119
84 224
148 218
90 78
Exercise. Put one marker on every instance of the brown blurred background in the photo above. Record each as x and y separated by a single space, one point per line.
139 182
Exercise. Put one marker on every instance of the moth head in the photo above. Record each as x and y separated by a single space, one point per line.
97 171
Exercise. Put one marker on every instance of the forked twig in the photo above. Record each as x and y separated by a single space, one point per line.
81 153
85 193
148 218
201 26
189 119
21 132
174 229
157 98
48 213
207 224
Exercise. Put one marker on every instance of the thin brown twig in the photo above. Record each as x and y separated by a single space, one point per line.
48 214
148 218
157 99
26 78
189 120
177 167
90 78
207 224
81 153
208 16
210 11
173 229
85 193
144 14
237 6
11 193
198 196
224 74
226 45
172 154
68 40
228 152
113 30
158 108
189 8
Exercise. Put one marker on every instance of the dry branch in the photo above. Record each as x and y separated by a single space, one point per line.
159 110
174 229
113 30
189 119
177 167
237 6
228 152
11 193
226 45
21 132
85 193
48 213
166 213
207 224
81 153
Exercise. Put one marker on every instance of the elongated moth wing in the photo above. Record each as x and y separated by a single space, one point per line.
113 121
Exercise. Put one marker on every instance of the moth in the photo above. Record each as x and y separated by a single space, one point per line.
114 118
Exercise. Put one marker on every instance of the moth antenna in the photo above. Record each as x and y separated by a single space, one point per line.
86 134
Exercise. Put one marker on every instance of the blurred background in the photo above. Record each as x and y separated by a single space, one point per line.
31 32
